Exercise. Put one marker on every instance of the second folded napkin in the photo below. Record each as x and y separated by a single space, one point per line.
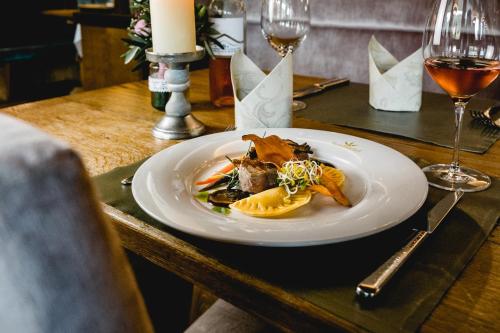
394 85
262 100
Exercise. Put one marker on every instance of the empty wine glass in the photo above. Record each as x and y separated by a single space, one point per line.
285 24
462 54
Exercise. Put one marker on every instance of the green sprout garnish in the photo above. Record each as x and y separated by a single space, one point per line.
296 176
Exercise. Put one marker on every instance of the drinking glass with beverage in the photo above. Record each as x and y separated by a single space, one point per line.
229 20
285 24
461 46
158 85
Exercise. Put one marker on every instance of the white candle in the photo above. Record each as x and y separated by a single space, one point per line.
173 27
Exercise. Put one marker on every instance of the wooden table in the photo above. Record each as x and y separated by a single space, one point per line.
111 127
62 13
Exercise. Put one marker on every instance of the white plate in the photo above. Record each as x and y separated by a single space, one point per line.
384 186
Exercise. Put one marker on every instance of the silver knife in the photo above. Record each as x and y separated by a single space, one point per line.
319 86
373 284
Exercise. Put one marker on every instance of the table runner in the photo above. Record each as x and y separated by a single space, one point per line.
327 275
348 106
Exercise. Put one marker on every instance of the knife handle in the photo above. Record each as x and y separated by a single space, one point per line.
332 82
319 87
374 283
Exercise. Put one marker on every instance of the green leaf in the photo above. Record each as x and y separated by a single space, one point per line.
222 210
132 42
202 11
212 31
202 196
216 42
136 38
131 53
209 49
140 57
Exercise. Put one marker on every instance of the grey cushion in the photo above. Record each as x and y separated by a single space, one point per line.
223 317
62 268
341 29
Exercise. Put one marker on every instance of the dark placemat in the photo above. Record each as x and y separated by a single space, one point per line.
327 275
348 106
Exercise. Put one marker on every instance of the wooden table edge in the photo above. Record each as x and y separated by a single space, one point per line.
294 309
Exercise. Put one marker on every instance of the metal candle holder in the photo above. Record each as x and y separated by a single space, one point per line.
178 122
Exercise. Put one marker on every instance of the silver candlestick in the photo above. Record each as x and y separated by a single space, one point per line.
178 122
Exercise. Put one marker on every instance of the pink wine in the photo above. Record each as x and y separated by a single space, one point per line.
462 78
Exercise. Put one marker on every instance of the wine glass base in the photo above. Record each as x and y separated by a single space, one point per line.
298 106
467 180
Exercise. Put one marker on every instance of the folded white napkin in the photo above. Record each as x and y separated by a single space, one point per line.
394 85
262 100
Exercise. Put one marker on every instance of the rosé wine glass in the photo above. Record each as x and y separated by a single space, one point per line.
462 55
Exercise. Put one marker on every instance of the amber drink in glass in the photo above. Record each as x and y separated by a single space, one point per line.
462 55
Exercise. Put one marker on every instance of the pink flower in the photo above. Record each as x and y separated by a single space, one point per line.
141 28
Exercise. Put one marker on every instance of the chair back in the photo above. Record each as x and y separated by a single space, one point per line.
62 267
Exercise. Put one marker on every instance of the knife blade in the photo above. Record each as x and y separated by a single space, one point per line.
373 284
319 87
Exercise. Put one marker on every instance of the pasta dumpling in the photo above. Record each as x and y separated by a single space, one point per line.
272 202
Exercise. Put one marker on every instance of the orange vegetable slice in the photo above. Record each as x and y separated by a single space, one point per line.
335 174
218 175
330 180
271 149
320 189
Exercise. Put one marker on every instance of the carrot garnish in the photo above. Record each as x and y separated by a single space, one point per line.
218 175
328 182
321 190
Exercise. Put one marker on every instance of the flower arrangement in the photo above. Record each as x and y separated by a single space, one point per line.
139 32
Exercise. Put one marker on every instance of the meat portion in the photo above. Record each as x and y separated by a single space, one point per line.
256 176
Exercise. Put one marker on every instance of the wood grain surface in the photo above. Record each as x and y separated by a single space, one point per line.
101 64
4 82
63 13
111 127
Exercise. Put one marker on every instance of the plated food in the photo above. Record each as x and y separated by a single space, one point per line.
274 177
383 186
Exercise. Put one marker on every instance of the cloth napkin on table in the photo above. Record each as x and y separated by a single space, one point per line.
262 100
394 85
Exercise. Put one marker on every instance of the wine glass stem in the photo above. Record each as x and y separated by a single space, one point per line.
459 113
